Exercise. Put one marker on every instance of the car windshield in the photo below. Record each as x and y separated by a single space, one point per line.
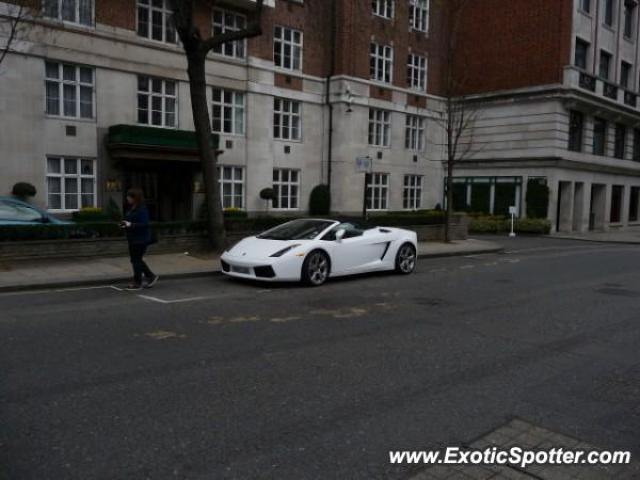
297 230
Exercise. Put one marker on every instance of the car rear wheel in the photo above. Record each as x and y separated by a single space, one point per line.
406 259
315 269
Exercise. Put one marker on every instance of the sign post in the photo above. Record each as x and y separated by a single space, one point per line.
513 211
364 165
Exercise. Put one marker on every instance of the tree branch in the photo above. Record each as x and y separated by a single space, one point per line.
13 31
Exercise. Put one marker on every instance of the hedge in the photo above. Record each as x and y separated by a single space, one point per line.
500 224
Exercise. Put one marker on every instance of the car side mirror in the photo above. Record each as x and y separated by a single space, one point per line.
340 235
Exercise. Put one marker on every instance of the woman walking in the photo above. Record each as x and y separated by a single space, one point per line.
136 223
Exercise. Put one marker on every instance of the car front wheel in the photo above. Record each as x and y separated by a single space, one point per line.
406 259
315 269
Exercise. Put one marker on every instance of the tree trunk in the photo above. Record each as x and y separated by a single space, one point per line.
449 211
202 124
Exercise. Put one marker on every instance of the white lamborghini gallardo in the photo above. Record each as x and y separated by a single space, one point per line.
312 250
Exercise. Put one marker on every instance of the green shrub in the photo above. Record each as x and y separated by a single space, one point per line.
500 224
90 214
320 200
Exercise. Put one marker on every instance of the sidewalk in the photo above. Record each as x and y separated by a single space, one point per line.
64 273
623 237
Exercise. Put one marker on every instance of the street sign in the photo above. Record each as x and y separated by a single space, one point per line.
513 211
364 165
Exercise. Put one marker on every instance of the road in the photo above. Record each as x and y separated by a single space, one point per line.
212 378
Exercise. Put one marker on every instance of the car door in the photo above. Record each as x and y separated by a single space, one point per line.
359 251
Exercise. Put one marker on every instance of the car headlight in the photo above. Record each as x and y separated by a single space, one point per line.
279 253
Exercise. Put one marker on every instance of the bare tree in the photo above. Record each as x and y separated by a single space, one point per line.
196 48
12 24
459 115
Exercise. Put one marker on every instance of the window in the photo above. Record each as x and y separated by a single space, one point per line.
71 183
605 64
629 17
636 145
417 72
228 111
608 12
576 127
379 127
599 136
224 21
69 90
231 187
625 74
74 11
155 21
383 8
377 191
381 63
287 123
620 141
287 48
286 187
412 193
585 6
157 99
18 213
634 203
582 54
414 137
419 15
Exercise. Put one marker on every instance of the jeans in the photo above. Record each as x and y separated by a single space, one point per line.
136 252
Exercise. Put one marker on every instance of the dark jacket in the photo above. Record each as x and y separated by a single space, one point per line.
139 232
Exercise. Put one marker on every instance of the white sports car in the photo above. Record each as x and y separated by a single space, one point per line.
312 250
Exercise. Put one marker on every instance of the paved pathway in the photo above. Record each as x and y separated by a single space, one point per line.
73 271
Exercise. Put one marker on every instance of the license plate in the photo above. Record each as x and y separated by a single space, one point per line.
243 270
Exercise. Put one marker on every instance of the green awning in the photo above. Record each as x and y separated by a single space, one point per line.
139 142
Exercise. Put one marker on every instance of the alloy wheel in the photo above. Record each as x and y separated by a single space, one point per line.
407 259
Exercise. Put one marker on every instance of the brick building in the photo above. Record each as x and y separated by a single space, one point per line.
98 102
95 99
555 85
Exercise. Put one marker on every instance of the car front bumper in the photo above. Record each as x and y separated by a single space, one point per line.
287 268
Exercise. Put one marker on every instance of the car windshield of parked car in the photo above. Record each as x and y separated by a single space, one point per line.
18 213
297 230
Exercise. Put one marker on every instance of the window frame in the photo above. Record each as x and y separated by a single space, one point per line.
379 134
384 8
576 131
415 133
165 11
279 113
417 70
234 182
620 141
419 15
600 150
278 183
375 200
78 85
279 45
77 176
587 47
412 191
234 108
381 64
237 45
150 94
76 22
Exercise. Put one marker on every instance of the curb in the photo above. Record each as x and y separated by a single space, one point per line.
100 282
187 275
589 240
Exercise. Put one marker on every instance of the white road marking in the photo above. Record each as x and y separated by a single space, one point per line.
167 302
466 267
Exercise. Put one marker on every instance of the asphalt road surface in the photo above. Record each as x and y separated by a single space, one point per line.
217 379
